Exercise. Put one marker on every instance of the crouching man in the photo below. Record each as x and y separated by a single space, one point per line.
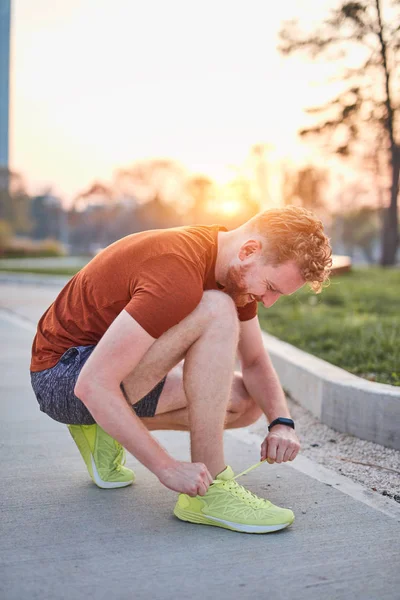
145 337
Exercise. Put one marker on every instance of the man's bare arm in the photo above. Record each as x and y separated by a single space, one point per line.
263 385
98 387
259 375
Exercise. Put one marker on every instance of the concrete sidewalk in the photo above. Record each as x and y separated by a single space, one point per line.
63 538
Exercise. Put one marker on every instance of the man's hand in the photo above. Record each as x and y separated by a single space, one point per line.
188 478
280 445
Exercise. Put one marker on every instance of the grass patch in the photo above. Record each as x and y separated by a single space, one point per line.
354 323
41 270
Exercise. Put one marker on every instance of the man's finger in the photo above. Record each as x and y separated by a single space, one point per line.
288 453
271 448
280 452
294 454
263 450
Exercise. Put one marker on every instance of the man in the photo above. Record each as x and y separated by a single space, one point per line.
107 357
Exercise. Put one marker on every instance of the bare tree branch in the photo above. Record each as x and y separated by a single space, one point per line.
371 100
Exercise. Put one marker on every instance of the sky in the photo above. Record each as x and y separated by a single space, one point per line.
96 85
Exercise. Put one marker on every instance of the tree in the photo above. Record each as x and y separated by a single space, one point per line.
201 190
160 183
5 234
368 102
14 202
360 229
92 218
47 214
144 196
147 180
97 193
305 187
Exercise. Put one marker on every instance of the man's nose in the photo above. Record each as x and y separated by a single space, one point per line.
269 300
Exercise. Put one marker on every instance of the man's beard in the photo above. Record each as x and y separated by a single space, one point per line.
234 285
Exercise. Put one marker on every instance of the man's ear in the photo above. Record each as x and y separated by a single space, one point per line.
249 248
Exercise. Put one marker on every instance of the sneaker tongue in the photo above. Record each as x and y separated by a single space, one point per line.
226 474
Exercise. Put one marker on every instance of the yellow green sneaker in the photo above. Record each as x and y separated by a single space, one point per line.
104 456
228 504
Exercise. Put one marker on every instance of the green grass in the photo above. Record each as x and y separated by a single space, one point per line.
354 323
41 270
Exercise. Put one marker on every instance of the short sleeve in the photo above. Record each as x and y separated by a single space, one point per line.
248 311
165 291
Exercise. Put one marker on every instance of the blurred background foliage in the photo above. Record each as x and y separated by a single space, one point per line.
160 193
359 126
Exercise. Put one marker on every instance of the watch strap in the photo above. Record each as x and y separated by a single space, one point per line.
281 421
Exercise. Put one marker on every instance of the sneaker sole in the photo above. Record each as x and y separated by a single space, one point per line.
107 485
190 517
84 448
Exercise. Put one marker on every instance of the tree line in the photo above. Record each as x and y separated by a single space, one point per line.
160 193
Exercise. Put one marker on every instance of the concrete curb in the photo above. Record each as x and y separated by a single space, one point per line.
345 402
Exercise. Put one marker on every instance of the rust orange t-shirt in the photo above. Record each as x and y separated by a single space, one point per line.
157 276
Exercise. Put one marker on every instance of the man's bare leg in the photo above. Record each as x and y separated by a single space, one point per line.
208 339
173 413
178 420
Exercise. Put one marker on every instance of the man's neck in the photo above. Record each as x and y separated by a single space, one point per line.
223 257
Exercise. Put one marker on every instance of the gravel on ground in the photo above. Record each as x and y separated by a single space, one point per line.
342 452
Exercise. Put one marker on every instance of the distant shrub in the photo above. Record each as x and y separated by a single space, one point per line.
26 248
52 248
5 234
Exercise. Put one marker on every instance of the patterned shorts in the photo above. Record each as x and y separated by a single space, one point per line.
54 390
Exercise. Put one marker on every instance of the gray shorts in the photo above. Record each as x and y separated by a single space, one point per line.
54 390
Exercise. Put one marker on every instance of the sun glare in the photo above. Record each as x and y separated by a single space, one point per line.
64 145
230 207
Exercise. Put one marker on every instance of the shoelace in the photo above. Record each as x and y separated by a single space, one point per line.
241 491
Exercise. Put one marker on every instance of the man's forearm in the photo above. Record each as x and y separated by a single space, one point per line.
263 385
111 411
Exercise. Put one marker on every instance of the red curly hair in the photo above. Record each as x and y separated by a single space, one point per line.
294 233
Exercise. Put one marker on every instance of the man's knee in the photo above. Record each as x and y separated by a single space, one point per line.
220 308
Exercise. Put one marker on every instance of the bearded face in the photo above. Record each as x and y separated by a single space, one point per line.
262 282
235 284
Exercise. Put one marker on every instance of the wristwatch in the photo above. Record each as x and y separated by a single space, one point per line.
281 421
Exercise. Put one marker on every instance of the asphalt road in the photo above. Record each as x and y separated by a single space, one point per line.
63 538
